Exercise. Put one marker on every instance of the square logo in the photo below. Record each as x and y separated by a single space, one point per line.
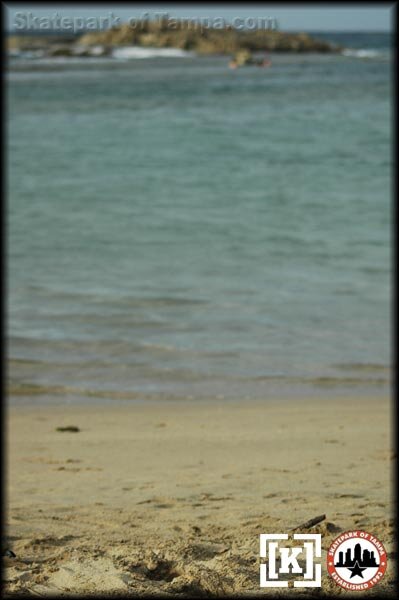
283 561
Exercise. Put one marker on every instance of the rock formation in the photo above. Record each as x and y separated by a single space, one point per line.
177 34
205 40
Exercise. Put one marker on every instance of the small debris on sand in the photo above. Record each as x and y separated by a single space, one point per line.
71 428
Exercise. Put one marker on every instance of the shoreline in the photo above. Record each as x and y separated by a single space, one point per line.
273 389
171 496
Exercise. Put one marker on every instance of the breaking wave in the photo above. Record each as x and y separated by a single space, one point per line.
363 53
129 52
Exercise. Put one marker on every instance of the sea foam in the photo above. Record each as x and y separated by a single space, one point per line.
132 52
362 53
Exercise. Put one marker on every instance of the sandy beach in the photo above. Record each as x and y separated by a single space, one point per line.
171 497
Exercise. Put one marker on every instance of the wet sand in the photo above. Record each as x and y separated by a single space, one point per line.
172 497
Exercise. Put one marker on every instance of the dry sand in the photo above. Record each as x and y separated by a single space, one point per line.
171 498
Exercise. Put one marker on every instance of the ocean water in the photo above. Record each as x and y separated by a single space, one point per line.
177 228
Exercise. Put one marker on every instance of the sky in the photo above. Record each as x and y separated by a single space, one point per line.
295 17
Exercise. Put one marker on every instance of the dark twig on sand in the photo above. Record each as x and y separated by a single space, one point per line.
310 523
71 428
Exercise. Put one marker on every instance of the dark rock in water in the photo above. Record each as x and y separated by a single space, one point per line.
9 553
60 51
71 428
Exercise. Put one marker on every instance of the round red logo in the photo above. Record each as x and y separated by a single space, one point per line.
356 560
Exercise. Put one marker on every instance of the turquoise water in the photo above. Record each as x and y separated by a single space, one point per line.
179 228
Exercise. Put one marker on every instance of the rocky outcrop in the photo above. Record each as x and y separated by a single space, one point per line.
206 40
183 35
38 42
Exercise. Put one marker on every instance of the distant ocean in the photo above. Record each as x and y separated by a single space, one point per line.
177 228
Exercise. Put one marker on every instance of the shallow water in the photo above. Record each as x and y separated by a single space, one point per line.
178 228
